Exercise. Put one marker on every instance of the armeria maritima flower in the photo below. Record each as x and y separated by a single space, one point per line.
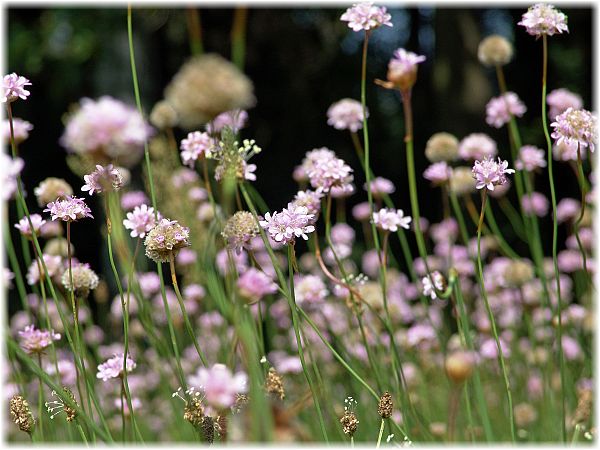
576 127
166 239
33 340
103 179
390 219
68 209
366 16
196 144
477 146
219 385
113 367
431 283
292 222
21 129
402 69
346 114
24 227
9 169
140 221
559 100
530 158
500 109
254 285
489 173
543 18
14 88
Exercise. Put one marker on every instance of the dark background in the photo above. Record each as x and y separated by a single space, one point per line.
301 61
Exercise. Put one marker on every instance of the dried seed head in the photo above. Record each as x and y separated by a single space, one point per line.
518 272
274 384
84 280
585 398
462 181
163 115
50 189
525 415
21 414
349 423
207 427
495 50
221 427
194 412
442 147
241 400
165 240
459 366
386 405
239 230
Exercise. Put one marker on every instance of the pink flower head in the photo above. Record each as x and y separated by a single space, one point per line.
342 233
219 385
236 120
104 178
346 114
130 200
536 203
195 145
254 285
141 220
68 209
576 127
25 229
310 199
14 88
292 222
543 18
489 173
9 169
310 289
366 16
559 100
500 109
361 211
390 219
477 146
33 340
113 367
402 68
438 173
567 209
21 129
381 186
431 283
326 171
530 158
53 264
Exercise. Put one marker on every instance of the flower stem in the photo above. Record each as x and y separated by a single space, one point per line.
238 36
194 30
380 433
40 401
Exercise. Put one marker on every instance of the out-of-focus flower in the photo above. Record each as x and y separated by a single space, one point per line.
292 222
163 116
129 200
559 100
239 230
381 186
103 179
84 280
500 109
140 221
233 160
530 158
461 180
254 285
431 283
477 146
165 240
567 208
366 16
13 86
495 50
9 169
68 209
346 114
113 367
402 70
543 18
390 219
309 199
24 227
21 129
219 385
441 147
236 120
309 290
438 173
536 203
53 265
195 146
489 173
326 171
33 340
576 127
51 189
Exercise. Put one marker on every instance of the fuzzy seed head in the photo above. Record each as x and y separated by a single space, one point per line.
386 405
21 414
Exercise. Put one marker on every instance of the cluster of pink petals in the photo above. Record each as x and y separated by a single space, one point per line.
113 367
576 127
141 220
431 283
500 109
477 146
543 18
346 114
404 62
390 219
559 100
366 16
196 144
68 209
236 120
310 199
219 385
21 129
103 179
131 199
326 171
33 340
13 87
530 158
438 172
54 266
489 173
536 203
24 227
292 222
254 284
309 289
9 170
381 186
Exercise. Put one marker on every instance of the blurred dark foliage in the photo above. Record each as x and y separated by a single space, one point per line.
301 61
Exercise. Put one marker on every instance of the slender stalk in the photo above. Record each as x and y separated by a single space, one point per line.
380 433
238 36
123 408
583 187
40 401
194 30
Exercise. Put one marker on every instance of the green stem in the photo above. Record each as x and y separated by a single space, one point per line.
238 36
194 30
380 433
40 401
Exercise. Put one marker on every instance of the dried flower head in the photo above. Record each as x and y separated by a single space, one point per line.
60 406
517 272
543 18
495 50
442 147
461 180
576 127
349 420
459 366
346 114
141 220
103 179
239 230
163 116
366 16
13 87
69 209
386 405
489 173
165 240
274 384
51 189
585 400
84 280
21 414
33 340
205 87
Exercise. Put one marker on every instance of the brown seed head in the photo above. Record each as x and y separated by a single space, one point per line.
274 384
21 414
349 423
386 405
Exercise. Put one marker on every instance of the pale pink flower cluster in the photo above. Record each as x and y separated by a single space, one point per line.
536 203
390 219
310 199
500 109
24 227
530 158
366 16
477 146
141 220
236 120
196 144
13 87
346 114
438 172
404 63
9 170
326 171
309 289
431 283
381 186
489 173
33 340
21 129
543 18
576 127
113 367
292 222
559 100
254 285
103 179
68 209
54 266
219 385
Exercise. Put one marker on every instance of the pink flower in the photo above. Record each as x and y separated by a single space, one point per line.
194 146
309 289
33 340
489 173
254 285
500 109
141 220
219 385
530 158
438 172
53 264
342 233
149 283
25 229
567 208
346 114
103 179
68 209
559 100
361 211
14 88
366 16
402 68
113 367
390 219
292 222
9 169
431 283
543 18
536 204
477 146
236 120
325 170
310 199
576 127
130 200
381 186
21 129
